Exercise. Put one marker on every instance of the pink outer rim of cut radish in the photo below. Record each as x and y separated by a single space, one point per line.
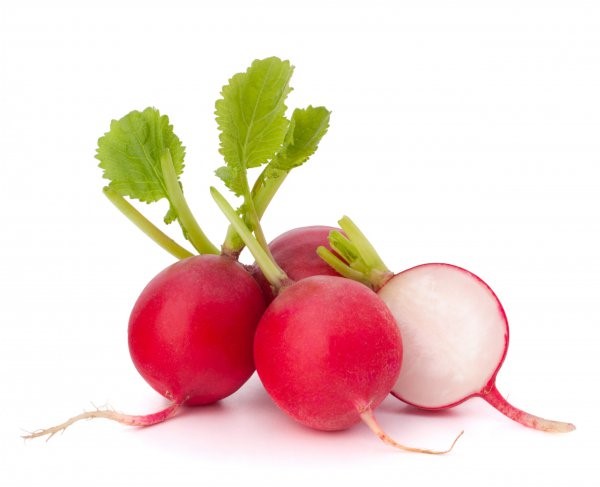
490 384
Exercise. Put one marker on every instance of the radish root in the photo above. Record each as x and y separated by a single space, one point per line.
493 397
145 420
369 419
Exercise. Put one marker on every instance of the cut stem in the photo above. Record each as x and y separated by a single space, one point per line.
367 252
145 225
355 251
186 219
145 420
369 419
272 272
341 267
493 397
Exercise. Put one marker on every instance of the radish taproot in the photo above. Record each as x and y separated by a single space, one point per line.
295 251
454 328
327 349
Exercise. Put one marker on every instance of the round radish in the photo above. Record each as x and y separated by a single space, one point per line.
295 251
190 336
191 329
327 349
454 328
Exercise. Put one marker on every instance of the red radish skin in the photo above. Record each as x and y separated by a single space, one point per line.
191 336
328 351
191 330
295 251
455 334
325 350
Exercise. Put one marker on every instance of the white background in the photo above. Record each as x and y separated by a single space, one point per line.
464 132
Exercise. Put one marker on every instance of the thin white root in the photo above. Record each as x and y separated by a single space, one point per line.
145 420
369 419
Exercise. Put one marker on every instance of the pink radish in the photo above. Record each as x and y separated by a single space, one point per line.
295 252
454 329
191 329
190 336
327 349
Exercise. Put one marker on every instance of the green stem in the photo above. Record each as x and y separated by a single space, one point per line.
272 272
145 225
357 258
367 252
186 219
252 215
341 267
263 191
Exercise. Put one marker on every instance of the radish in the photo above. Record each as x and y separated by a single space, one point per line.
327 349
454 329
190 336
191 329
295 252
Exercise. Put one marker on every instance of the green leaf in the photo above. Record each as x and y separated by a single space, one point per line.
233 177
251 119
130 155
306 129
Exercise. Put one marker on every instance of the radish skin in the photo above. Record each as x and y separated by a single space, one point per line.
295 252
324 349
191 329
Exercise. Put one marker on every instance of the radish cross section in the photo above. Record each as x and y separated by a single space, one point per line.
455 333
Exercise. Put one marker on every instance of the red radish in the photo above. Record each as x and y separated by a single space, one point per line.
191 329
327 349
295 251
454 329
190 336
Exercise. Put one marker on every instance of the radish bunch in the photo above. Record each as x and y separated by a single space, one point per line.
329 329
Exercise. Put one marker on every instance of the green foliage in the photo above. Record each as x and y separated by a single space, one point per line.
251 119
130 155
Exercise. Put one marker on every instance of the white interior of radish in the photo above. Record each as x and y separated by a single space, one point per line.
454 333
